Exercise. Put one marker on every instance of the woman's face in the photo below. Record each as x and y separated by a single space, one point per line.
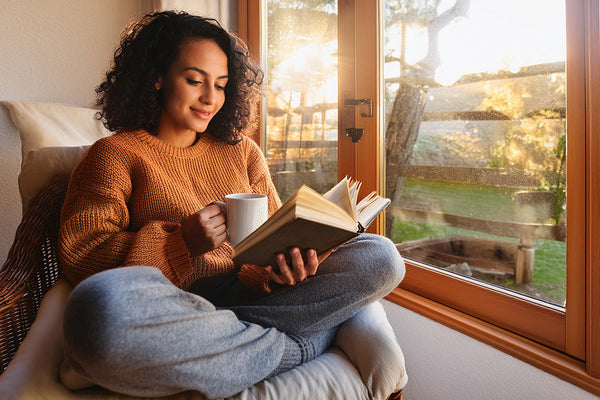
193 89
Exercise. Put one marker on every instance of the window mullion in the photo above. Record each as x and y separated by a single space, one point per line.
576 128
592 13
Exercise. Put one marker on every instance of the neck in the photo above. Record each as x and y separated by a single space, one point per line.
177 138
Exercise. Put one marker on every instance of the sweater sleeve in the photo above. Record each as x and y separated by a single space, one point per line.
255 277
260 176
94 233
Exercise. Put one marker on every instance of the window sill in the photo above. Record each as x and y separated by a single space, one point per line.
542 357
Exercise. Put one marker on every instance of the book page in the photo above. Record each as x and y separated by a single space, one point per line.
366 202
340 195
310 199
370 207
353 190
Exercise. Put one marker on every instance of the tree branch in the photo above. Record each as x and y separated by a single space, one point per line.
432 59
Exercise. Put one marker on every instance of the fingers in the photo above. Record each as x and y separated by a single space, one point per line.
283 275
214 228
211 217
299 270
285 272
220 232
312 262
213 222
205 230
221 205
214 209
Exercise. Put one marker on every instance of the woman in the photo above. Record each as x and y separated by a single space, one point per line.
181 315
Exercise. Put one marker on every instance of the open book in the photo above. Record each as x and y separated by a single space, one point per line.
310 220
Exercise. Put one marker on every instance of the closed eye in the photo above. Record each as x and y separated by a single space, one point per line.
193 82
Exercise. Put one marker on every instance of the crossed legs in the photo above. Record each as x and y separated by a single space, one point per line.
132 331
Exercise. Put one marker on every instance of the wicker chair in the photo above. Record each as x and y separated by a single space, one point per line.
31 270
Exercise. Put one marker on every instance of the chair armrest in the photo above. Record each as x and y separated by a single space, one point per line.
31 267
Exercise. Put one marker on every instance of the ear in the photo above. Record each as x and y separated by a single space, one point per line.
158 84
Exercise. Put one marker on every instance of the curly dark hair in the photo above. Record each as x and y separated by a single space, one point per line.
128 97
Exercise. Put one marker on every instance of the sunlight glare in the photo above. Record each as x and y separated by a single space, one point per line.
495 35
313 65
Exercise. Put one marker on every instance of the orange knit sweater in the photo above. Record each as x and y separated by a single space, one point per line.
128 196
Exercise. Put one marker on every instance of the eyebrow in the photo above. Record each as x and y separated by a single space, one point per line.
203 72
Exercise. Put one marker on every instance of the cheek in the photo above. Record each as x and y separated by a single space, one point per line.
168 97
221 101
177 94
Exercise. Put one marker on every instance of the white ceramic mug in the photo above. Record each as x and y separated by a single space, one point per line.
245 213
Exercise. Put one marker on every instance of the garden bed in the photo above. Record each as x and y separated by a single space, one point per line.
477 257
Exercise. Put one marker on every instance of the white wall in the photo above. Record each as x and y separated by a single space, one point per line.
443 364
51 51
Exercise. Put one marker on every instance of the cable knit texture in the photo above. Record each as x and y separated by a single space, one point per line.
129 194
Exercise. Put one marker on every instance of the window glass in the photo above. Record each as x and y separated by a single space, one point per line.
301 112
475 139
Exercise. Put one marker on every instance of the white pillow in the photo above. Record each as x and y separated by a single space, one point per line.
52 124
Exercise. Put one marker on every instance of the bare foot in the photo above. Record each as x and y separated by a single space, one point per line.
71 379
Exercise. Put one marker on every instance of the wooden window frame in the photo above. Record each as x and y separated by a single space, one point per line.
565 344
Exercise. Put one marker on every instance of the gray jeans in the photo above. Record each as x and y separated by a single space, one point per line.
132 331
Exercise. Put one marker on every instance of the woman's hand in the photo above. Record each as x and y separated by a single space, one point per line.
300 270
205 230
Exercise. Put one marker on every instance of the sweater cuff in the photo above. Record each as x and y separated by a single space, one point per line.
254 278
179 258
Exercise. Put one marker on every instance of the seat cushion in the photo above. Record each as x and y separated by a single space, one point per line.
366 339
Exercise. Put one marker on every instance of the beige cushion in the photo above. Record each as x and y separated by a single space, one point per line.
52 124
41 166
366 339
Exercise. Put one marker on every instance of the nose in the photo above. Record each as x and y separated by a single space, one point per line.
208 95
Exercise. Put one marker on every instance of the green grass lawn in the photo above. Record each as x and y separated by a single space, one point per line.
486 202
476 201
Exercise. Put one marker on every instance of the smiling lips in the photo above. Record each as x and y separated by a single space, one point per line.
201 113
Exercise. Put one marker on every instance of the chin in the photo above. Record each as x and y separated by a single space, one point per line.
199 128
